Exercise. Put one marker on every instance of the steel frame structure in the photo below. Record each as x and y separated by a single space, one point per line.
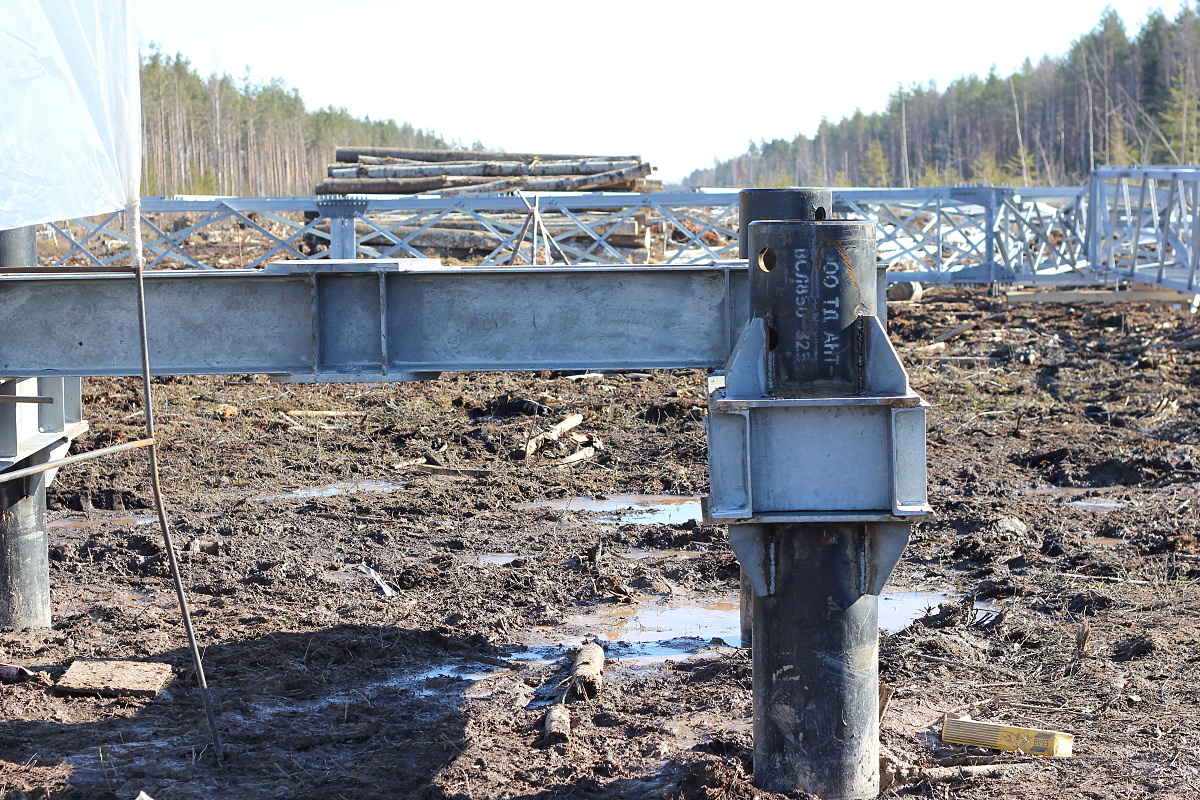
1135 224
1144 225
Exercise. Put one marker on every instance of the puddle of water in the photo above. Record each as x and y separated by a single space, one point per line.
474 673
497 558
660 626
652 632
898 609
640 554
1057 490
1103 541
76 522
638 509
1098 505
329 490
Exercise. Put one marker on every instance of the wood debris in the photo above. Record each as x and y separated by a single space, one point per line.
583 454
551 435
305 414
587 673
462 472
115 678
556 728
1007 737
388 170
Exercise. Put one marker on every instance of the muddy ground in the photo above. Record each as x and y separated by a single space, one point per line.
1064 464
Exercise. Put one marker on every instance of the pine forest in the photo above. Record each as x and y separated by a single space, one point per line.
1112 99
227 137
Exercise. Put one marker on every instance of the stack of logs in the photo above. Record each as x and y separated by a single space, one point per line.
395 170
463 237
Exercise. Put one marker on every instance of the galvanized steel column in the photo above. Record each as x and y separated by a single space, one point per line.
18 247
24 554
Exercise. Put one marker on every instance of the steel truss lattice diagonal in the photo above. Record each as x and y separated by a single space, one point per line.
1129 224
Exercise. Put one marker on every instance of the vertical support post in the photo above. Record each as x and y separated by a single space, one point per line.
816 667
989 233
24 539
24 555
1092 245
18 247
756 205
342 213
1194 244
815 629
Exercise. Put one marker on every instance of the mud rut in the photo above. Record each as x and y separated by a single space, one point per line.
1063 461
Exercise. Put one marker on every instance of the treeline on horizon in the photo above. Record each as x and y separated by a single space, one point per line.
1112 99
221 136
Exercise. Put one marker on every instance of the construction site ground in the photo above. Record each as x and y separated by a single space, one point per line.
1064 468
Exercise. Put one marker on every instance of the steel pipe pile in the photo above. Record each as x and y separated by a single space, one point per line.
817 462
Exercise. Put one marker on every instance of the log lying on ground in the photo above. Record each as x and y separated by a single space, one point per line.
487 169
556 729
350 154
587 673
551 435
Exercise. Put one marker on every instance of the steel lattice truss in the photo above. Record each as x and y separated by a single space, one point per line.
1132 224
1144 225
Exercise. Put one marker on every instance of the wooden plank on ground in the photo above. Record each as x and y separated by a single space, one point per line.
115 678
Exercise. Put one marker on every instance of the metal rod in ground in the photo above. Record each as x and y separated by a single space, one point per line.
17 474
816 667
24 539
159 506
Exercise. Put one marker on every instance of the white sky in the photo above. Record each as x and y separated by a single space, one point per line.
679 83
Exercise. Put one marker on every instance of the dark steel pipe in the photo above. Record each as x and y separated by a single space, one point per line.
766 204
816 667
755 205
810 281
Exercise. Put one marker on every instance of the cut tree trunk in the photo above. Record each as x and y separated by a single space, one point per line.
349 154
388 186
605 180
486 169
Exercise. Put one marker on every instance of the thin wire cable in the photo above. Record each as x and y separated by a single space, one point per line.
17 474
133 220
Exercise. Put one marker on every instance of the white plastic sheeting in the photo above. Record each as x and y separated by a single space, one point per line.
70 139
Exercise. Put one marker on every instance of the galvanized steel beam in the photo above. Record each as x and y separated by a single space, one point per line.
373 320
